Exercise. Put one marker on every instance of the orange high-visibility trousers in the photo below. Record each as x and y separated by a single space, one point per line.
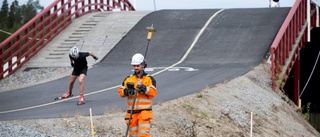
140 124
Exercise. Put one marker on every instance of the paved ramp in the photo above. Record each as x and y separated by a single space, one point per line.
234 41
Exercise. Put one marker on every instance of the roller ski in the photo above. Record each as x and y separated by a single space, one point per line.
64 96
81 101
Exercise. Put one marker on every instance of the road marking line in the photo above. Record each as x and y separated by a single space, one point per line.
57 101
106 89
192 45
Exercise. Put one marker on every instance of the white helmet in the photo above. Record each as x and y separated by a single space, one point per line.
74 52
137 59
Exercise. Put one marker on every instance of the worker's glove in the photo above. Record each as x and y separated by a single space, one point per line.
72 64
142 89
95 57
129 90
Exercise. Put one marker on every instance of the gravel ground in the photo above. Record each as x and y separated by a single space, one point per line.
221 111
25 78
14 130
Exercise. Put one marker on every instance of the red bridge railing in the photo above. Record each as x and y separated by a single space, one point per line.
27 41
288 42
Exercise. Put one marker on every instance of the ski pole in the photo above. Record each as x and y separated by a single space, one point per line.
102 45
81 45
149 36
269 3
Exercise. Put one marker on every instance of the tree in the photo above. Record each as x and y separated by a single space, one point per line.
12 20
15 15
30 10
4 35
4 14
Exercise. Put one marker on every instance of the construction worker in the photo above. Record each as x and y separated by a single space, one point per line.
144 86
79 63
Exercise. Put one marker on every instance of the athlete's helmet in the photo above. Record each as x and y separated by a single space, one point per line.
137 59
74 52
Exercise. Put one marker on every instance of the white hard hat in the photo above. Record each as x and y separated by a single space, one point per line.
74 52
137 59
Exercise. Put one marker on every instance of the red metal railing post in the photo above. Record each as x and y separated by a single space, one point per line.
76 8
89 3
82 5
55 17
108 3
272 54
41 28
2 63
113 4
101 4
124 7
69 6
96 6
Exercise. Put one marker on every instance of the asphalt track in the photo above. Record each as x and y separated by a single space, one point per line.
190 50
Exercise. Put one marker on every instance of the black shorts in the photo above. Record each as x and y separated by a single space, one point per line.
77 71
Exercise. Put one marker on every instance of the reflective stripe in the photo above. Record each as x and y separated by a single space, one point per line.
142 100
134 128
144 125
140 107
141 103
133 132
144 132
134 135
148 89
144 129
122 92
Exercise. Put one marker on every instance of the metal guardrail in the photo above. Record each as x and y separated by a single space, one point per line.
27 41
288 42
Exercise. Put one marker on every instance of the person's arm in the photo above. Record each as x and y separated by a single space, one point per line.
94 57
123 90
148 89
71 62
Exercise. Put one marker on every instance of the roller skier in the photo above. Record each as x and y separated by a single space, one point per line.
80 67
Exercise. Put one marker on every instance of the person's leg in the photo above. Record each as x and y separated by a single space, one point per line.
83 73
133 127
144 127
81 83
144 124
71 82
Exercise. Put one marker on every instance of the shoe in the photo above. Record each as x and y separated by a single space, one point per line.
66 95
81 101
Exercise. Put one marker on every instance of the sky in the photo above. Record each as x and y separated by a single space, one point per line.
150 5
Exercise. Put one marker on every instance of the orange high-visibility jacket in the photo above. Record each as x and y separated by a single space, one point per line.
143 101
